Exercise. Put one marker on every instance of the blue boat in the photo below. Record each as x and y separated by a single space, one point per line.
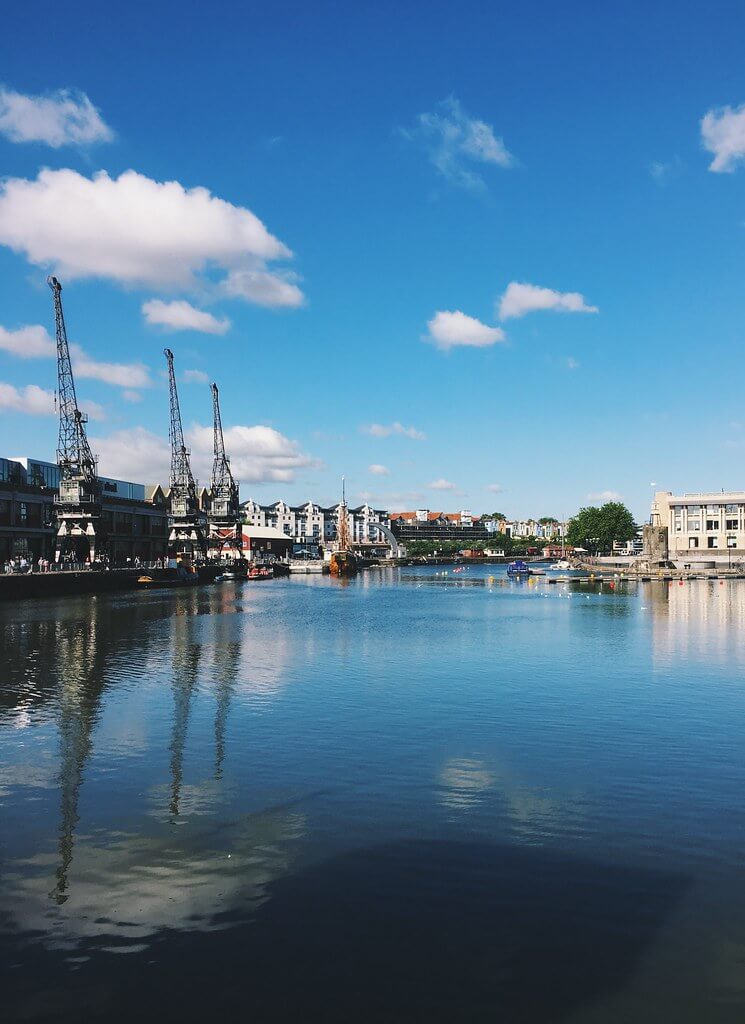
518 568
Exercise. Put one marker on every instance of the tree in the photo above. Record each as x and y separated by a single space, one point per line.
548 521
598 528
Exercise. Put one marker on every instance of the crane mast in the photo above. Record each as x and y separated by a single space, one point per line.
78 505
187 523
225 517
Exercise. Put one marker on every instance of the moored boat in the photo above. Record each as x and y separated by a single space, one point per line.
260 572
518 568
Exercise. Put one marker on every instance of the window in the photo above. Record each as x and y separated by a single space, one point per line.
713 542
732 542
730 509
694 524
731 524
693 542
712 524
23 511
712 510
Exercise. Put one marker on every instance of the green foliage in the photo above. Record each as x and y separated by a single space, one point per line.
597 528
548 520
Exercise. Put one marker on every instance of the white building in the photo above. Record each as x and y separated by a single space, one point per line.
704 523
313 524
526 528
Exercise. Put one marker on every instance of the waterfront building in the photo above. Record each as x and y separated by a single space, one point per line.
633 548
426 525
135 525
314 524
265 544
702 523
521 528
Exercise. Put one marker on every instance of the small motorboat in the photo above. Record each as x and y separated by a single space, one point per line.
260 572
561 566
519 569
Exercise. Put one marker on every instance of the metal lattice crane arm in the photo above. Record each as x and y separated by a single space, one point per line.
222 478
74 454
182 481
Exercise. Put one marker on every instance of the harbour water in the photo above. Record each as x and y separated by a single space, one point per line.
402 797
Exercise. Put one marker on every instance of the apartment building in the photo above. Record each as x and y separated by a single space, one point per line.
310 523
702 522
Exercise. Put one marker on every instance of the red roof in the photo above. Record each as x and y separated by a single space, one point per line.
432 517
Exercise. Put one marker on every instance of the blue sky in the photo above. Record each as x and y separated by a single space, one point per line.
416 161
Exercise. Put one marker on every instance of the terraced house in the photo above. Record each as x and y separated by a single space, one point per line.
310 523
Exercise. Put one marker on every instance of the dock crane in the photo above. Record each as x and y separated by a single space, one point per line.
225 514
78 505
187 536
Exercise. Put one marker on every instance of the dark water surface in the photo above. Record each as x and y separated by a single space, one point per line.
407 797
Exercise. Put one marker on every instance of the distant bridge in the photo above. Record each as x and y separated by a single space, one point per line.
385 531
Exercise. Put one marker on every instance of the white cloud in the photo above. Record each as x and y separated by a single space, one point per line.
723 134
572 363
133 454
195 377
258 454
180 315
123 375
62 118
494 488
387 430
265 289
32 400
454 140
34 342
93 410
133 230
663 170
604 496
451 329
377 470
520 298
31 342
442 485
131 396
35 401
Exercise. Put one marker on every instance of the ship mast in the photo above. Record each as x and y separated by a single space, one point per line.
342 529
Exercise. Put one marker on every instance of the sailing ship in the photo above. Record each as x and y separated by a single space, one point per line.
343 560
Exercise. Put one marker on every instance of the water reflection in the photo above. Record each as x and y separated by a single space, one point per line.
392 800
81 658
129 884
468 784
464 783
187 651
699 620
